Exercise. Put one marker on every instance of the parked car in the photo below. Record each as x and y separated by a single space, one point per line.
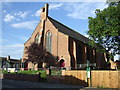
10 70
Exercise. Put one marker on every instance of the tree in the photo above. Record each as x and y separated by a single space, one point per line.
49 59
38 54
113 3
104 30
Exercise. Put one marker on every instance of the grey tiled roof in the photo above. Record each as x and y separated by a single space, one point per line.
66 30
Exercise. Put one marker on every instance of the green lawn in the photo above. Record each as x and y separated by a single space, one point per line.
43 73
4 72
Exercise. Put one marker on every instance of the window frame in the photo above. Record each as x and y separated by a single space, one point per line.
48 41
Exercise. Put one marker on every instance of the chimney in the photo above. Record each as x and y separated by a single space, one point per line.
44 12
8 57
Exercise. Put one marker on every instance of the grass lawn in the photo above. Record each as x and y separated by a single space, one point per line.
43 73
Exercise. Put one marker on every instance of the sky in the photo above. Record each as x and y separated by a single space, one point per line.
19 20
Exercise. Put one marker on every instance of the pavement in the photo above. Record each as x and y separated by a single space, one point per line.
15 84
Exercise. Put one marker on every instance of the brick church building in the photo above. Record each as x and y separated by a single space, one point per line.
63 42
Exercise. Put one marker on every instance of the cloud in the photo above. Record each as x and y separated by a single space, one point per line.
55 5
86 36
16 16
17 19
37 13
27 25
9 18
83 10
51 7
22 14
4 11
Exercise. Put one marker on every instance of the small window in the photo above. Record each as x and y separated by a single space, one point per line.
48 41
43 10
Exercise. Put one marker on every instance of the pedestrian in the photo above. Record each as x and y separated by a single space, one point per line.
62 64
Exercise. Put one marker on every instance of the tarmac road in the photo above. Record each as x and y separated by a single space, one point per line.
25 85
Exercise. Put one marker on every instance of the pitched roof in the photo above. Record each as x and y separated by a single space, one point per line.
5 58
68 31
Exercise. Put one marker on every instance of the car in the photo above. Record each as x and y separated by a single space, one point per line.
11 70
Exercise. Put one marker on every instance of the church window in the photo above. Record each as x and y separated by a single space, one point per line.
48 41
37 38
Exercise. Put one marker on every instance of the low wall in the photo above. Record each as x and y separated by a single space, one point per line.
101 78
24 77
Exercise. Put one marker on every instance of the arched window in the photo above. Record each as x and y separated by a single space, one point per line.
37 38
48 41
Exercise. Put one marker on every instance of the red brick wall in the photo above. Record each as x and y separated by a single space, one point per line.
61 47
24 77
59 43
49 27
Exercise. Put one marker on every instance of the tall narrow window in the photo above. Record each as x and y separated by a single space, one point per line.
37 38
48 41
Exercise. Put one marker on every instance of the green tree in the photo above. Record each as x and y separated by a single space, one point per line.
113 3
104 30
38 54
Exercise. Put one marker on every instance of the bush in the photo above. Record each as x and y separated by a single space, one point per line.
4 72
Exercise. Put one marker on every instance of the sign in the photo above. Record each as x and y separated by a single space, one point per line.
86 65
88 72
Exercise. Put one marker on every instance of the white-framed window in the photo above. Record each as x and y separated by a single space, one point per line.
48 42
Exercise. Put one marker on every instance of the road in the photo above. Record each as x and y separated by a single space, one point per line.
26 84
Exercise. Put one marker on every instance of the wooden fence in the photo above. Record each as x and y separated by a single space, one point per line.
101 78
